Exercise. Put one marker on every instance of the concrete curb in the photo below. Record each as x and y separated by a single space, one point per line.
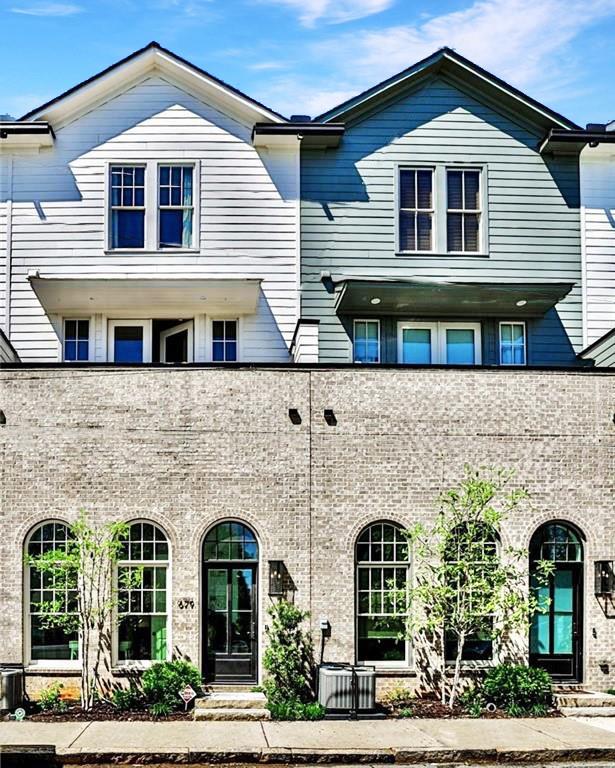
283 756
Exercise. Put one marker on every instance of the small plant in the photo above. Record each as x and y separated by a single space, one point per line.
125 699
161 709
406 712
289 656
163 681
517 689
398 697
293 709
472 701
50 699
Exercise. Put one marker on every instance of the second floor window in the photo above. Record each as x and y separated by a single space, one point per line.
175 206
127 206
152 206
463 211
416 209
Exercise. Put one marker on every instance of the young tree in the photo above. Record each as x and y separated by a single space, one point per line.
82 571
466 584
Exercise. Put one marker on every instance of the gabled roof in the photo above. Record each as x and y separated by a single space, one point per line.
125 72
448 62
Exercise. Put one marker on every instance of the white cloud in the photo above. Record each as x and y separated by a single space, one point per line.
48 9
263 66
333 11
523 41
292 96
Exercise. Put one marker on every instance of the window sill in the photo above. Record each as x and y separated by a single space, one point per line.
37 669
148 251
445 254
124 668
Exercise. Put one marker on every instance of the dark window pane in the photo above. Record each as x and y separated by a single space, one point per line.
164 196
175 196
70 350
454 190
83 329
139 196
82 350
379 639
53 643
128 344
218 351
470 231
176 174
231 351
142 638
407 239
423 191
424 231
164 174
127 229
140 176
231 330
171 228
127 196
217 329
454 241
70 329
407 193
472 183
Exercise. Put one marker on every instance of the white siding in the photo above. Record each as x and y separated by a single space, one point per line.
248 211
598 200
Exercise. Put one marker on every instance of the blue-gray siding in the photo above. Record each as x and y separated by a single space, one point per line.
349 218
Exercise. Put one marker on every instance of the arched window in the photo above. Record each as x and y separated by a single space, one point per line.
382 577
476 548
230 541
557 542
45 644
143 592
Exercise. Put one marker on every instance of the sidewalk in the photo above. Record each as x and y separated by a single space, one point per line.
387 741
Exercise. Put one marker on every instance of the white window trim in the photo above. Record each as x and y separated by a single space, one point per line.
438 340
440 206
146 324
434 207
354 325
151 235
195 196
29 662
210 336
136 664
512 322
164 335
479 211
91 337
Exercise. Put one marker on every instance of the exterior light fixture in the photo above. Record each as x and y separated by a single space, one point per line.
521 302
375 300
2 418
277 578
294 416
330 417
604 579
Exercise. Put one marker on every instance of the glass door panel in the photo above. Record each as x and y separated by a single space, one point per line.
416 345
217 609
460 346
241 610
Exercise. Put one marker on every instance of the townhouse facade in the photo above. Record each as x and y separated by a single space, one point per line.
269 344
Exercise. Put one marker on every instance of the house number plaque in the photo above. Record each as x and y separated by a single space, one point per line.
185 603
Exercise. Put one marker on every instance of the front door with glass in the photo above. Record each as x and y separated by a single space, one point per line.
230 604
556 629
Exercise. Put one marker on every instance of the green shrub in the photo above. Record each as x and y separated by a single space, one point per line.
50 698
161 709
399 697
288 658
293 709
406 712
125 699
163 681
472 700
517 689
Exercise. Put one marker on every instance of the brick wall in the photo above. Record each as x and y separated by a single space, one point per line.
189 447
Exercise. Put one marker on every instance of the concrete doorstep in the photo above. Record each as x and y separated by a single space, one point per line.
335 742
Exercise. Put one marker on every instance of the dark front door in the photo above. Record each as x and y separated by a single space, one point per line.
230 622
556 635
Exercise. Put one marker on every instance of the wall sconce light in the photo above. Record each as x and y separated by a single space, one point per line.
277 578
2 418
294 416
330 417
604 578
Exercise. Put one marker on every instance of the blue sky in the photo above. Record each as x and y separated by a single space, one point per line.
303 56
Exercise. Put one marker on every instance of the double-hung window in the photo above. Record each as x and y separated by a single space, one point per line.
366 346
175 206
512 344
76 340
416 209
425 343
152 205
128 206
463 210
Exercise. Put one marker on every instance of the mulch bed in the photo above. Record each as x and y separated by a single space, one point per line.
100 712
431 707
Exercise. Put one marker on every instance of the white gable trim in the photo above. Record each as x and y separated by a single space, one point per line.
152 60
